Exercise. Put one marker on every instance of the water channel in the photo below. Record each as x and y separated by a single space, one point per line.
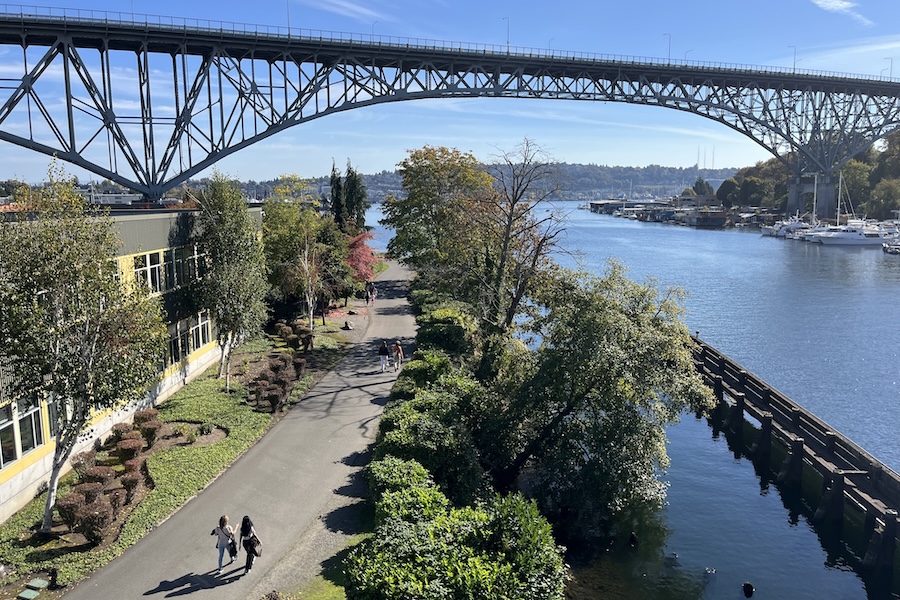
818 323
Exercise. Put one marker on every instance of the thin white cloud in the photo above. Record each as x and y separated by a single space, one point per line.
346 8
843 7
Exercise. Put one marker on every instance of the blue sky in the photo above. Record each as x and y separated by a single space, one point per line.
832 35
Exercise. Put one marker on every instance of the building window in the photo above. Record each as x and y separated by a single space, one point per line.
31 431
200 330
7 437
148 272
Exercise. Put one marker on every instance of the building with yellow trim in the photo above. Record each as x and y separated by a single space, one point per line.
157 254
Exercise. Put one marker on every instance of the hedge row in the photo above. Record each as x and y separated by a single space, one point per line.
440 532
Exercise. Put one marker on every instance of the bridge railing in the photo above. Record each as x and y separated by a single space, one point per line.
165 23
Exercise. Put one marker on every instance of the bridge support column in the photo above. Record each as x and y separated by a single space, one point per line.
825 192
792 468
735 420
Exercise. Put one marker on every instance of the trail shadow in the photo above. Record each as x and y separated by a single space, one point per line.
194 582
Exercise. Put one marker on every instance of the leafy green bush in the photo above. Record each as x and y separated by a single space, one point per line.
391 474
428 430
504 550
425 367
413 503
129 449
448 329
67 507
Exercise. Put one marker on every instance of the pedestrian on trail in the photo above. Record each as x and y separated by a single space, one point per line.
250 542
370 293
384 353
397 351
225 541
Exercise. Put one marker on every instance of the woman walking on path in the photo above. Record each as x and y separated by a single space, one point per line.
250 542
225 539
384 353
397 351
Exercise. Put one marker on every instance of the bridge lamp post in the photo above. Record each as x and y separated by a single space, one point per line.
686 53
507 33
890 67
373 28
795 57
669 52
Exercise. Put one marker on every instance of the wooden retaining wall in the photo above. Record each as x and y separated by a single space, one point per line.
851 477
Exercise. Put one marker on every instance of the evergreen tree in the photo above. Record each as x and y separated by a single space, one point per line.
355 198
338 206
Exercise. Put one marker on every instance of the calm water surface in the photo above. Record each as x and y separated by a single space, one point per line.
818 323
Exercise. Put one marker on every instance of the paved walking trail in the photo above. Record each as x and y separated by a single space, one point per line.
298 484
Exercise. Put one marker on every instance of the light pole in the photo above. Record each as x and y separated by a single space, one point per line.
287 6
669 52
550 42
891 67
686 53
507 33
373 28
795 57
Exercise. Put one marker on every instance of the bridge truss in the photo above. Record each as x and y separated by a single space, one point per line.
149 104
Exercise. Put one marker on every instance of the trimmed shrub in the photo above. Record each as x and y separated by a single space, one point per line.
131 481
299 366
83 461
93 518
150 431
142 416
129 449
134 465
68 506
117 500
91 491
134 434
391 474
119 430
205 428
426 366
101 475
267 375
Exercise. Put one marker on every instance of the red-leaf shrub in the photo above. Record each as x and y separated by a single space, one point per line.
134 465
150 429
134 434
99 474
93 518
90 491
119 430
148 414
117 500
131 481
129 449
83 461
68 506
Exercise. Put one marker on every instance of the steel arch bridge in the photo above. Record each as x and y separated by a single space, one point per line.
148 102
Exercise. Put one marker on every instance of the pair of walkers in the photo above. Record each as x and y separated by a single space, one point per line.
385 353
227 541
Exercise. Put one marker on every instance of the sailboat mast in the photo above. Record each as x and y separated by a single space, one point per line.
840 193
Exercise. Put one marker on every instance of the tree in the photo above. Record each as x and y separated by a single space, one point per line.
356 198
613 366
430 222
70 332
233 287
338 206
753 192
292 188
727 193
885 200
702 187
